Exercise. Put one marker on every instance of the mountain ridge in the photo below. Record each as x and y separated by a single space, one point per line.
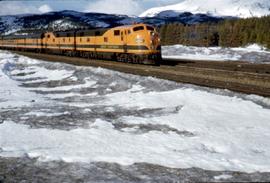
220 8
67 19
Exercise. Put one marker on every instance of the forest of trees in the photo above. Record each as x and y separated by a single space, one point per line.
229 33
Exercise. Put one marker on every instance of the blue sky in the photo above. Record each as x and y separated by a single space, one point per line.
129 7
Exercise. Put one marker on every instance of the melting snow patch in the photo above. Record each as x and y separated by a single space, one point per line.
38 113
252 53
47 75
66 88
140 119
228 149
223 177
13 95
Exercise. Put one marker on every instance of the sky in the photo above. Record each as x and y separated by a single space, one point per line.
127 7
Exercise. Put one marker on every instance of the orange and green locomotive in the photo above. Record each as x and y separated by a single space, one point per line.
138 43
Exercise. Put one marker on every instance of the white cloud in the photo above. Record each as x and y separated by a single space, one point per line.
45 8
128 7
16 7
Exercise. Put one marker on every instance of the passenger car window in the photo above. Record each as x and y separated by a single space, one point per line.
117 32
105 39
138 28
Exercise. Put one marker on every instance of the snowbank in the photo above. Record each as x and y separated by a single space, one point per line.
128 119
253 53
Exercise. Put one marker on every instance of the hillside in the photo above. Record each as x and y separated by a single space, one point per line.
230 33
73 20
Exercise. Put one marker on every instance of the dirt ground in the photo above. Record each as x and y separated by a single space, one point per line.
26 170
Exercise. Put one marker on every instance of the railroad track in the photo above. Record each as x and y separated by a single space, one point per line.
236 76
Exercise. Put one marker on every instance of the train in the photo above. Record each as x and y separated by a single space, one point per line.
136 43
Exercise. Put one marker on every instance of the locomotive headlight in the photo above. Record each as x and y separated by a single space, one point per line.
139 39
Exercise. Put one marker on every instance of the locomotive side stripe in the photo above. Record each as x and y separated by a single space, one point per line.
129 47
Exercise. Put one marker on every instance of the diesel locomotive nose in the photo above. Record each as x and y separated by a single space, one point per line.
155 41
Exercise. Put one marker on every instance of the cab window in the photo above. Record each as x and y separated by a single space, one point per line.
138 28
150 28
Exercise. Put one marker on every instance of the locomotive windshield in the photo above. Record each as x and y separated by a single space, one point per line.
150 28
138 28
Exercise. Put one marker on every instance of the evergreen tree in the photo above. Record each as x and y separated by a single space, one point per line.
229 33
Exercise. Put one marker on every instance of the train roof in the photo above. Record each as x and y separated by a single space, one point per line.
133 25
80 33
24 36
93 32
70 33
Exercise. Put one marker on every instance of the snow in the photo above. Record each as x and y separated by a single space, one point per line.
63 24
206 128
252 53
223 177
69 87
11 23
11 94
235 8
253 48
51 75
38 113
11 31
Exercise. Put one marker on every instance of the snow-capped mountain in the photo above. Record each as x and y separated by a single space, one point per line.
63 20
66 20
234 8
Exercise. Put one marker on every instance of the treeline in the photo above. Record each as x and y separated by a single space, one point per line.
229 33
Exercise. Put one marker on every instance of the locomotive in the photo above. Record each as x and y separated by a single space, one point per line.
138 43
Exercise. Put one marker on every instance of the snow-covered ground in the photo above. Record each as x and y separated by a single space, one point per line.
252 53
84 114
